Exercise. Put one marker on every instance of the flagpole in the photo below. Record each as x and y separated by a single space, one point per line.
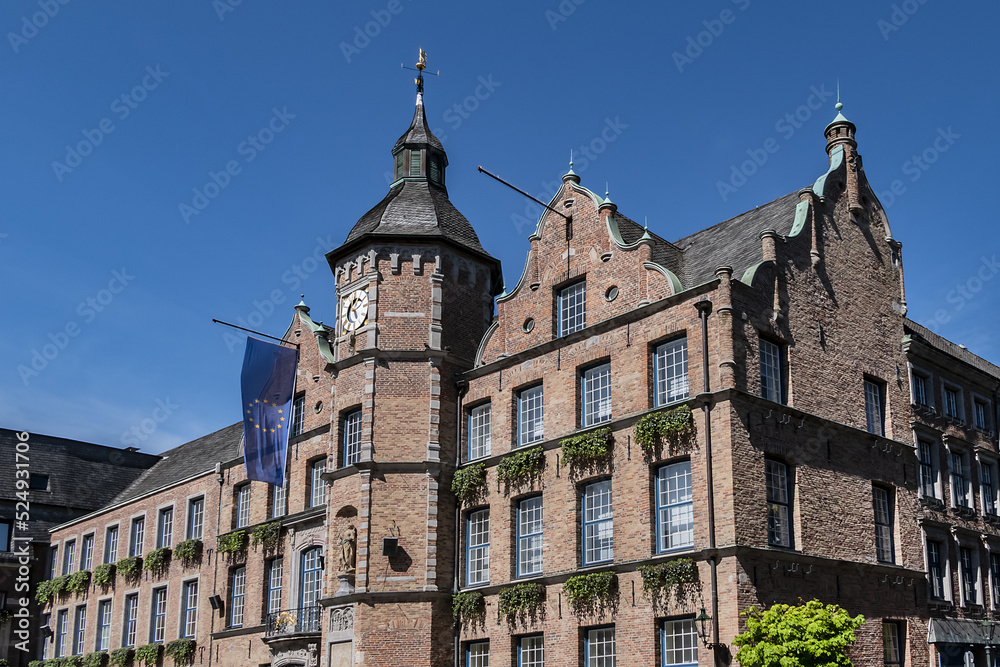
257 333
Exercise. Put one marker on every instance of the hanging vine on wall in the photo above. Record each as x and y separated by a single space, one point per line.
181 650
266 536
158 560
592 594
675 427
130 568
521 467
523 602
149 654
587 450
104 575
121 657
677 579
78 582
95 659
468 609
188 552
469 482
233 543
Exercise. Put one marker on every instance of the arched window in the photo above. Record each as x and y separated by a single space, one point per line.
312 577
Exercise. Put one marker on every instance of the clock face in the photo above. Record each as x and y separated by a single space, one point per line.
354 311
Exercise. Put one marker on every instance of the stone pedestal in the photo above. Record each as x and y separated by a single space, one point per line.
346 585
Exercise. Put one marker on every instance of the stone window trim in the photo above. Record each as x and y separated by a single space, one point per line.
928 378
933 439
131 523
189 506
160 509
973 544
988 476
182 631
153 615
947 386
987 411
87 559
991 575
478 425
958 454
109 555
942 536
292 567
363 454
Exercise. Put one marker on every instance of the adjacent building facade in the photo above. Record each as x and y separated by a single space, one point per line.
604 464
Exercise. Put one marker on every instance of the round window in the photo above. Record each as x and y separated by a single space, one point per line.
319 407
528 325
611 294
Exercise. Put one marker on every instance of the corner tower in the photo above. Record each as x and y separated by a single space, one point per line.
415 291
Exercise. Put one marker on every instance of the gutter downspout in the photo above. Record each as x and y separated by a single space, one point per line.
704 308
463 387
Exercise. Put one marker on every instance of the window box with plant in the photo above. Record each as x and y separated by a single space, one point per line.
130 568
592 594
233 543
158 560
266 536
677 579
149 654
188 552
104 575
522 603
468 609
587 450
78 582
674 427
469 482
521 467
95 659
121 657
181 651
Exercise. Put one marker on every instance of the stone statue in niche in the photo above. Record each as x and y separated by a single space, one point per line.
348 549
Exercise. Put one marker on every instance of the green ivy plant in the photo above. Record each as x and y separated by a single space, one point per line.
677 579
78 582
522 602
675 427
5 617
95 659
233 543
157 561
468 608
130 568
521 467
188 552
469 482
104 575
44 592
121 657
266 535
33 663
592 594
149 654
72 661
181 650
587 450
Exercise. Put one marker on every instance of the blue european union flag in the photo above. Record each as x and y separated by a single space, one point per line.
267 384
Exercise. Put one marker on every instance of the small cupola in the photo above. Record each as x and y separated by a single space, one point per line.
418 155
840 131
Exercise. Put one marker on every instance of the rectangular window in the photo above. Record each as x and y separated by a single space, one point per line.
69 555
352 437
572 308
317 487
477 654
952 403
129 618
530 417
81 630
6 535
312 577
779 503
136 536
598 528
414 163
883 500
196 518
529 536
979 414
595 398
479 431
189 614
986 488
679 643
237 592
771 372
38 482
298 414
670 363
531 651
477 564
925 452
600 648
274 574
165 528
968 575
674 499
158 626
62 620
243 506
959 482
892 644
103 625
935 569
46 635
53 561
995 578
875 406
87 552
919 389
278 504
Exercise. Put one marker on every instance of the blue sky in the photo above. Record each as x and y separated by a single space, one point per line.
116 115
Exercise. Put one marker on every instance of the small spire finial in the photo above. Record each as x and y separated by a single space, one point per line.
421 65
607 190
645 222
571 159
838 106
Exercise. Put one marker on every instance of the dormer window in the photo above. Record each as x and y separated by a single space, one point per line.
414 163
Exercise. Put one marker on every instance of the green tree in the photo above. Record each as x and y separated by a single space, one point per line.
806 635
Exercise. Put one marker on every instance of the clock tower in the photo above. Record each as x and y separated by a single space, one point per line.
415 294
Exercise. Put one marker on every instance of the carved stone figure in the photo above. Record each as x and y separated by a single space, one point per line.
348 543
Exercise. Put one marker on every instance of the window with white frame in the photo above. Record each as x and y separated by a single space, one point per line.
477 654
772 371
103 639
158 626
317 486
46 634
237 591
311 589
678 643
595 395
111 544
884 500
987 486
936 569
81 629
352 437
243 505
600 647
674 506
196 518
62 621
531 651
87 552
927 468
968 565
979 411
670 363
892 643
53 561
165 528
529 536
778 485
953 403
995 578
278 500
479 431
572 308
875 406
69 555
274 575
960 490
189 610
129 619
477 558
919 383
530 417
298 414
136 535
598 526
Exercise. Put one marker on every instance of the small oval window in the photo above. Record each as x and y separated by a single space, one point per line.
611 294
528 325
319 407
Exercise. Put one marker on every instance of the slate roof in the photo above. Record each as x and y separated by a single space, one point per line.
418 133
946 346
187 460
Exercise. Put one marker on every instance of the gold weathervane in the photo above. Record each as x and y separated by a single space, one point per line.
419 69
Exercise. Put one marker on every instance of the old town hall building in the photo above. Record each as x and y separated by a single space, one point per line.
605 463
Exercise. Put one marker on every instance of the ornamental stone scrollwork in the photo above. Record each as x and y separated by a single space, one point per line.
304 656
